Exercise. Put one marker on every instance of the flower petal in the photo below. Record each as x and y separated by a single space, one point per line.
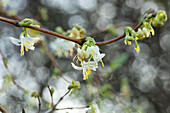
31 47
76 67
27 40
15 41
36 39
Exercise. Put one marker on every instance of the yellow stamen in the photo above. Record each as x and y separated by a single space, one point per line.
152 31
129 42
26 48
84 78
28 42
93 51
91 66
95 64
89 71
137 49
102 62
22 50
125 42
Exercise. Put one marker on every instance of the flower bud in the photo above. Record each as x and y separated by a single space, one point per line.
129 38
26 22
145 32
140 33
157 23
133 34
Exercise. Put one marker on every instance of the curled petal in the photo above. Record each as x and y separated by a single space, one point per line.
36 39
100 56
31 47
76 67
15 41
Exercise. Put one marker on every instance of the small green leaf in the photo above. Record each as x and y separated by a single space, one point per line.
59 29
51 91
34 94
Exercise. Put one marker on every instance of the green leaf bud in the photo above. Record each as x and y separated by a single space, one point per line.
59 30
34 94
26 22
74 85
51 91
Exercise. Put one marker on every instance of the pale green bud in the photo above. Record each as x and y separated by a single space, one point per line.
133 34
59 30
140 33
145 32
51 91
129 38
26 22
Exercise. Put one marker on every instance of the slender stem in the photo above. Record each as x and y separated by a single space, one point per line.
23 110
39 105
72 108
16 23
78 41
53 60
3 109
94 32
123 35
54 106
50 94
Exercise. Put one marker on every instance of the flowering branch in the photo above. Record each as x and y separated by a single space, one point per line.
48 53
123 35
16 23
78 41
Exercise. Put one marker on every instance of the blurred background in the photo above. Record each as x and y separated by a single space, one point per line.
129 82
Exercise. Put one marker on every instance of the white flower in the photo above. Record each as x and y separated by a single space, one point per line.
86 67
95 54
27 42
62 47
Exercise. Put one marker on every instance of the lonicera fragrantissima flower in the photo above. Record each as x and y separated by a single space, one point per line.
25 42
89 56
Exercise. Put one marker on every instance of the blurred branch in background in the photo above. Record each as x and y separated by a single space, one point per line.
3 109
5 62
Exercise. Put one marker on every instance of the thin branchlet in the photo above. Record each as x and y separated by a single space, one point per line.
78 41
